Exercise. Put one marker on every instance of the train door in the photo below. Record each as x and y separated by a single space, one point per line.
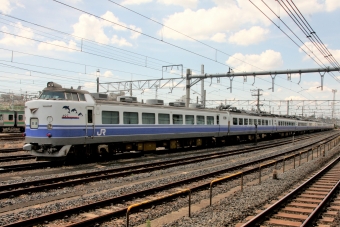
90 121
1 119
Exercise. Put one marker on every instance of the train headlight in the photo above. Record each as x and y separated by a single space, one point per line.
49 135
24 134
49 126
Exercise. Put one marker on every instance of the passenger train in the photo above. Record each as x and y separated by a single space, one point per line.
11 119
69 122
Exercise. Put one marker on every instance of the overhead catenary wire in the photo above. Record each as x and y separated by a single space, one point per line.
332 75
149 59
304 29
312 33
196 40
142 33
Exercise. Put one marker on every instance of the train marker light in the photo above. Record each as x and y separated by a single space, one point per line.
49 135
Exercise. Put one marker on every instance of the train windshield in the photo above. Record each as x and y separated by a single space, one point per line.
55 95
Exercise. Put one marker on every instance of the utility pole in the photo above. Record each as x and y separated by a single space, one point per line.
258 98
287 107
333 106
187 96
202 87
98 74
156 86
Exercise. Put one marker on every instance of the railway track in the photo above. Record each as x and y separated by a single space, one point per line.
39 165
102 208
10 150
76 179
306 204
28 166
12 138
16 158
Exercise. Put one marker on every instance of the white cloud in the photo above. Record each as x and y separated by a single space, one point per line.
58 46
120 41
135 35
205 23
17 41
314 6
109 74
246 37
135 2
5 6
219 37
183 3
294 97
92 28
265 61
312 51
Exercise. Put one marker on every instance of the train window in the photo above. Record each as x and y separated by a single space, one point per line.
164 119
148 118
56 95
245 121
110 117
240 121
235 121
266 122
89 116
259 122
1 119
75 97
255 121
210 120
200 120
130 118
82 97
263 122
251 122
20 117
68 96
10 117
177 119
218 119
189 119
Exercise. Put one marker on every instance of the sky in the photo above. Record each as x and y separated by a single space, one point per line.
75 41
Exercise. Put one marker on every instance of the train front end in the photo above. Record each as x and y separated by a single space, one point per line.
55 122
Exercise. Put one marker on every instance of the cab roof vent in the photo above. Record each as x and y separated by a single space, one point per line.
126 99
154 102
177 104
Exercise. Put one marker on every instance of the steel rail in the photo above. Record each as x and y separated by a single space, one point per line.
260 218
71 180
143 193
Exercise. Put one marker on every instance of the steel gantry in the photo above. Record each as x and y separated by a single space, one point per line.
231 76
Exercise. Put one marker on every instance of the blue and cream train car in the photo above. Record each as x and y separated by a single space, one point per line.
64 122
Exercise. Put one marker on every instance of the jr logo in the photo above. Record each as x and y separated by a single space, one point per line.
101 132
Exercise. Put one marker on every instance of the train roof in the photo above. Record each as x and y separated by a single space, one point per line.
52 86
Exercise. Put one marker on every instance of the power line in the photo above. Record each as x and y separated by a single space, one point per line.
293 34
181 33
141 33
